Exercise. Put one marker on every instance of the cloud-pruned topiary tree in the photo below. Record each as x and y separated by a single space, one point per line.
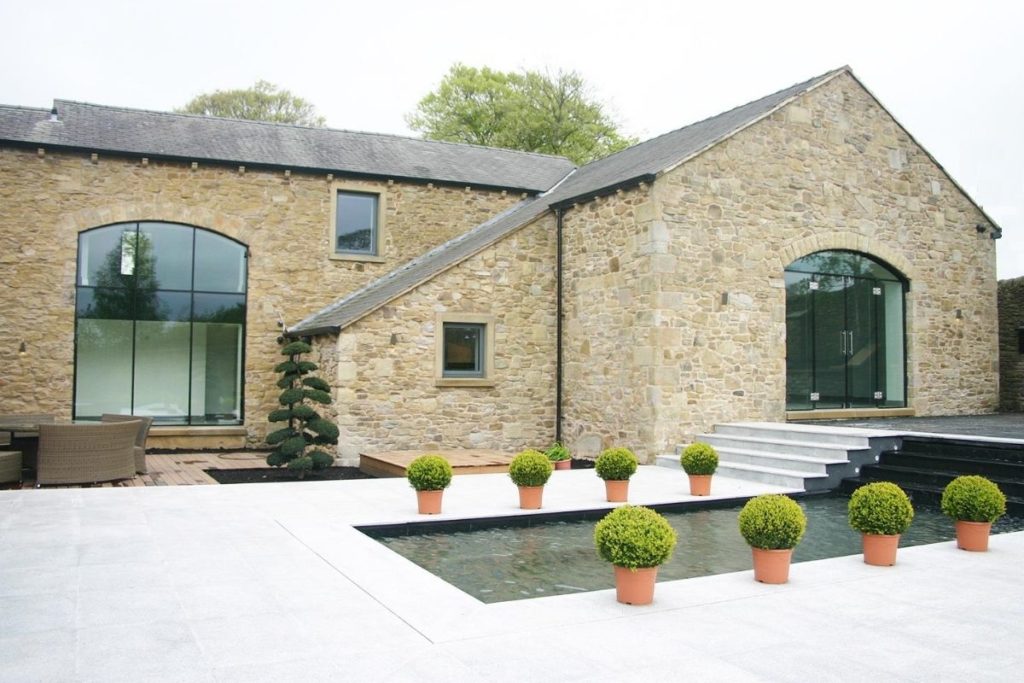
306 428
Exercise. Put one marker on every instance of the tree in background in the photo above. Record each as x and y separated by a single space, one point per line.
262 102
305 427
529 111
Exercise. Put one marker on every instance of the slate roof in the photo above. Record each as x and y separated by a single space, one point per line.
96 128
641 162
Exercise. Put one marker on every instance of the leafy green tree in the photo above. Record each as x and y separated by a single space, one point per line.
529 111
306 427
262 102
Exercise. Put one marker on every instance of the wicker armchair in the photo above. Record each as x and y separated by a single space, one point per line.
26 442
140 438
84 454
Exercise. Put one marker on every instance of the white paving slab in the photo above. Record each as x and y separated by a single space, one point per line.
271 582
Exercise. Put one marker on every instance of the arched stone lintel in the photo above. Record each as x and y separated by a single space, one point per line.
127 212
846 241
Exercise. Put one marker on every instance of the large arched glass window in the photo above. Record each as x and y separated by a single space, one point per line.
845 340
160 324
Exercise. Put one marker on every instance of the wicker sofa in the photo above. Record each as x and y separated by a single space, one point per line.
140 438
84 454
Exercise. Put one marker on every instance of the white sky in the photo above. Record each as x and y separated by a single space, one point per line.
951 72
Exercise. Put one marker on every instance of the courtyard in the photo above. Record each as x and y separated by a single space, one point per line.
272 582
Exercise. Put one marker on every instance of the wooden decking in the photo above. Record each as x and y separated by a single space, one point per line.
467 461
178 469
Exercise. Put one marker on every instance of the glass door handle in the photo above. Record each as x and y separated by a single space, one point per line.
850 345
842 342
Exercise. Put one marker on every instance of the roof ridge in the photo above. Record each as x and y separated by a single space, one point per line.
24 108
301 126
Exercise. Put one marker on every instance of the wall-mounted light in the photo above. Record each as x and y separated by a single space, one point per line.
980 227
959 315
725 298
22 349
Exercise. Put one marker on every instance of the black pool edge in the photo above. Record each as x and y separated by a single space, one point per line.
521 519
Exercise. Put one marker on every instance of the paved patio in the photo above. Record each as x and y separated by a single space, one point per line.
270 582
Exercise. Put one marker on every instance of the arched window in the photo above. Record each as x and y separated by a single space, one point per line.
160 324
845 339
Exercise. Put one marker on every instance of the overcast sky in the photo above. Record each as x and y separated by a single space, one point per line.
951 72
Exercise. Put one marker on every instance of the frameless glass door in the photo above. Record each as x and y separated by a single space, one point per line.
844 334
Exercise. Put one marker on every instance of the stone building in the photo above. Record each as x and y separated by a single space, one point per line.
798 255
1011 345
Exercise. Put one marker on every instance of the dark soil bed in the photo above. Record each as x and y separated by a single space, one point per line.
268 474
581 464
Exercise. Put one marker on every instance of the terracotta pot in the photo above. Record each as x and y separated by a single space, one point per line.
772 566
429 502
973 535
880 550
700 484
563 464
530 497
635 586
616 490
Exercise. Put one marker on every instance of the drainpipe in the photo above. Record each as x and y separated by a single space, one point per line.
558 324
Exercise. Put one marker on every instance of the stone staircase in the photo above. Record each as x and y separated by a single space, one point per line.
797 456
923 465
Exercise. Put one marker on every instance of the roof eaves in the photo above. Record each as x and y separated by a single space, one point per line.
607 189
270 166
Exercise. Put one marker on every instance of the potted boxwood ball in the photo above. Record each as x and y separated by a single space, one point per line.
881 512
699 461
616 466
530 470
636 540
430 475
772 525
974 503
559 456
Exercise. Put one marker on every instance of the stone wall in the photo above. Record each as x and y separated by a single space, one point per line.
387 394
283 218
649 269
1011 360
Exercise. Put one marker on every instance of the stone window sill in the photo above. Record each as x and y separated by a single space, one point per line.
463 382
363 258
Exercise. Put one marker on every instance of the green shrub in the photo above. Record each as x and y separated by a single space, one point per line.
616 464
973 499
880 508
699 458
772 522
429 473
304 426
530 468
558 453
634 537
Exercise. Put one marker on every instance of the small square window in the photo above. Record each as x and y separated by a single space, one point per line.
464 350
356 223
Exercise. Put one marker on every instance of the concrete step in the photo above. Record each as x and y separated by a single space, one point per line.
776 446
777 476
773 475
840 436
798 463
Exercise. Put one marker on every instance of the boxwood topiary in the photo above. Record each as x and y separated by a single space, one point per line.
772 522
973 499
558 453
634 537
616 464
530 468
699 458
880 508
429 473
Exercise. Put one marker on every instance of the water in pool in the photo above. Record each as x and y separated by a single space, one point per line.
552 558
